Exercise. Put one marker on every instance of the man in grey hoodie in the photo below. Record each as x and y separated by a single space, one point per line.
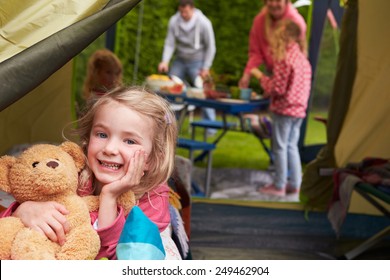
191 39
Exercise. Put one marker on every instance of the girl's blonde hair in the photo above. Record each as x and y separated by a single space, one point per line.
97 61
286 32
149 105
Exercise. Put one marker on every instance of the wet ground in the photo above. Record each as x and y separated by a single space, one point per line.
243 184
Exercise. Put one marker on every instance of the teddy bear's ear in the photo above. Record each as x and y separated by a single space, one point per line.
75 152
6 162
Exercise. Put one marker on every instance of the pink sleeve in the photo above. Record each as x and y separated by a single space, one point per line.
109 236
155 205
278 83
8 212
256 39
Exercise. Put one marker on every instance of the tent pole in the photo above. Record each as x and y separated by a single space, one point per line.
110 38
319 15
138 42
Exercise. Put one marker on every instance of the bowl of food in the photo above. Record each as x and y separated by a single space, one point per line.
156 81
193 92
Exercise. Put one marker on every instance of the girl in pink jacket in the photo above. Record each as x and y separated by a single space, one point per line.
129 138
289 89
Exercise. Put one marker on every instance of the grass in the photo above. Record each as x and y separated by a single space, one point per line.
243 150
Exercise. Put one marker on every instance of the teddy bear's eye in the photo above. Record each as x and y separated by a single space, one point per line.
35 164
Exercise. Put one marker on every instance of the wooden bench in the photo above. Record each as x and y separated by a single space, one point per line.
193 145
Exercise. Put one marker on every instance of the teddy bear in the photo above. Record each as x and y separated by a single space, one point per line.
46 172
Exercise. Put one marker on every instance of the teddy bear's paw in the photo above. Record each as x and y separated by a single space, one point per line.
83 243
92 202
127 201
32 245
9 227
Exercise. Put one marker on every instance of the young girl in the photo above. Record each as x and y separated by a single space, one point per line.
129 139
104 73
289 90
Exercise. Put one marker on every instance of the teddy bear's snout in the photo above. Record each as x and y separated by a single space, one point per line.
52 164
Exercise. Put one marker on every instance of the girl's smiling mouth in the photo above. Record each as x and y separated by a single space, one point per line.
113 166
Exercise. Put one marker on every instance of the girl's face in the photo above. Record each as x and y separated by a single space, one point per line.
108 77
117 133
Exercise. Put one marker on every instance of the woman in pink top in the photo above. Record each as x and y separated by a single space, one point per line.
263 25
289 90
129 139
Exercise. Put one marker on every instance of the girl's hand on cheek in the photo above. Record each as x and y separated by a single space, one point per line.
135 169
132 178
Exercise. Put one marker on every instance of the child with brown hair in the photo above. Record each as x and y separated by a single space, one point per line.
289 90
104 73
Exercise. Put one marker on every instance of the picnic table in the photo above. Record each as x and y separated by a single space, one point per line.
226 107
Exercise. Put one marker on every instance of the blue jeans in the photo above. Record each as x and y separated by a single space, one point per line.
190 70
285 136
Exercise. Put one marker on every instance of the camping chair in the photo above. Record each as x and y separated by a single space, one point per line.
261 126
180 183
370 179
369 192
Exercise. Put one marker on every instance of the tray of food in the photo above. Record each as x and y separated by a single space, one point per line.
165 84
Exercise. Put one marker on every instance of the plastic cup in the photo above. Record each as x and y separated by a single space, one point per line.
245 93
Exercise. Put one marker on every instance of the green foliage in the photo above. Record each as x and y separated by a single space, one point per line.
231 26
326 65
148 24
231 22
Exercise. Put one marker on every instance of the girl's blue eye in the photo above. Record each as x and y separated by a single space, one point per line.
101 135
130 142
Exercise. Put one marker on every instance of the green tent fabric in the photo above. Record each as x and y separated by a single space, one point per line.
358 120
23 72
316 190
36 96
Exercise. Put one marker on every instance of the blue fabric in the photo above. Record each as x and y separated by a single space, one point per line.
140 238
